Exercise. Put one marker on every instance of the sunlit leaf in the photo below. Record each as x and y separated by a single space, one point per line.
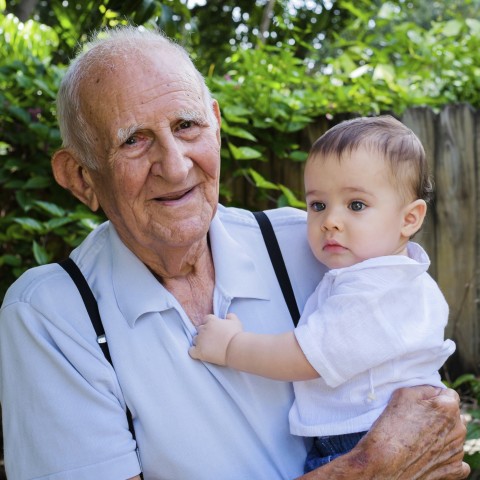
358 72
260 181
452 28
244 153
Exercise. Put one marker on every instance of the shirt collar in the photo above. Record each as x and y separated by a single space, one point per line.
236 274
138 292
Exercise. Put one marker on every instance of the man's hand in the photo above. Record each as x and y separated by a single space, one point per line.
214 336
419 436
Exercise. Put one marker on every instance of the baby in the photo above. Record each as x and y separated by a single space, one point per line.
376 321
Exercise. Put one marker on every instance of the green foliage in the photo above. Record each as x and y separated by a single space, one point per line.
39 222
382 62
265 98
317 60
386 61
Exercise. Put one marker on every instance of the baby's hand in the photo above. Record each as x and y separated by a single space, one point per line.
211 343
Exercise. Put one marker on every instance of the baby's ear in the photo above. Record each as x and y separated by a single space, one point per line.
72 175
414 215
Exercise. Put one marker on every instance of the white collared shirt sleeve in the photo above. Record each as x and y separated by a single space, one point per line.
371 313
48 358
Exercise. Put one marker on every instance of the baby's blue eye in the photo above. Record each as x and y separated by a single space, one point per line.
357 206
317 206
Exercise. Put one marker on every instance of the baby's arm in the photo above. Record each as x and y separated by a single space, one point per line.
273 356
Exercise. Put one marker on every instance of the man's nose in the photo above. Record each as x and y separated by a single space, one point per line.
171 162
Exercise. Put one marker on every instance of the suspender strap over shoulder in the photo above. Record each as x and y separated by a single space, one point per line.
278 264
92 308
90 303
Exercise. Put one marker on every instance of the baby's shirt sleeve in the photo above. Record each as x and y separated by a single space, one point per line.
365 317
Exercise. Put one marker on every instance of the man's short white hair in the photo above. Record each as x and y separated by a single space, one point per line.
75 130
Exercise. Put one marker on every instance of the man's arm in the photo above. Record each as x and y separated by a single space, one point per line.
273 356
419 436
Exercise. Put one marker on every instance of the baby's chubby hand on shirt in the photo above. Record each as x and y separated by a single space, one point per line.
214 336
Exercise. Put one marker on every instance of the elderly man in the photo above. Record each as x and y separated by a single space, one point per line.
141 141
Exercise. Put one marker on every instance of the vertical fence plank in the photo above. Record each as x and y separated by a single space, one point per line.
422 122
456 214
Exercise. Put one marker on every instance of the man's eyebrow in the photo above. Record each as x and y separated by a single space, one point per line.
123 134
191 115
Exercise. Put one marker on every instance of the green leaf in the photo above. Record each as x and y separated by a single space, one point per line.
29 224
462 379
236 114
452 28
474 26
44 87
358 72
298 156
238 132
384 72
244 153
260 181
19 114
55 223
50 208
89 223
40 254
12 260
37 182
387 11
291 198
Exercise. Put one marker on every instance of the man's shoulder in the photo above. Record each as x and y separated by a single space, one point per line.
48 285
32 283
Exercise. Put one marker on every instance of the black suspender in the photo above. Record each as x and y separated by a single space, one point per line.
278 264
90 303
92 307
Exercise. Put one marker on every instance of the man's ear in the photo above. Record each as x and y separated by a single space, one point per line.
70 174
414 215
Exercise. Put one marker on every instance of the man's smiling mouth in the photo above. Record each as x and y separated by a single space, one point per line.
171 197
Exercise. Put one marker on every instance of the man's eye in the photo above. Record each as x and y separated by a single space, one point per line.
317 206
357 206
185 124
131 141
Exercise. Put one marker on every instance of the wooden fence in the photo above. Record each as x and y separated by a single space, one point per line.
450 232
